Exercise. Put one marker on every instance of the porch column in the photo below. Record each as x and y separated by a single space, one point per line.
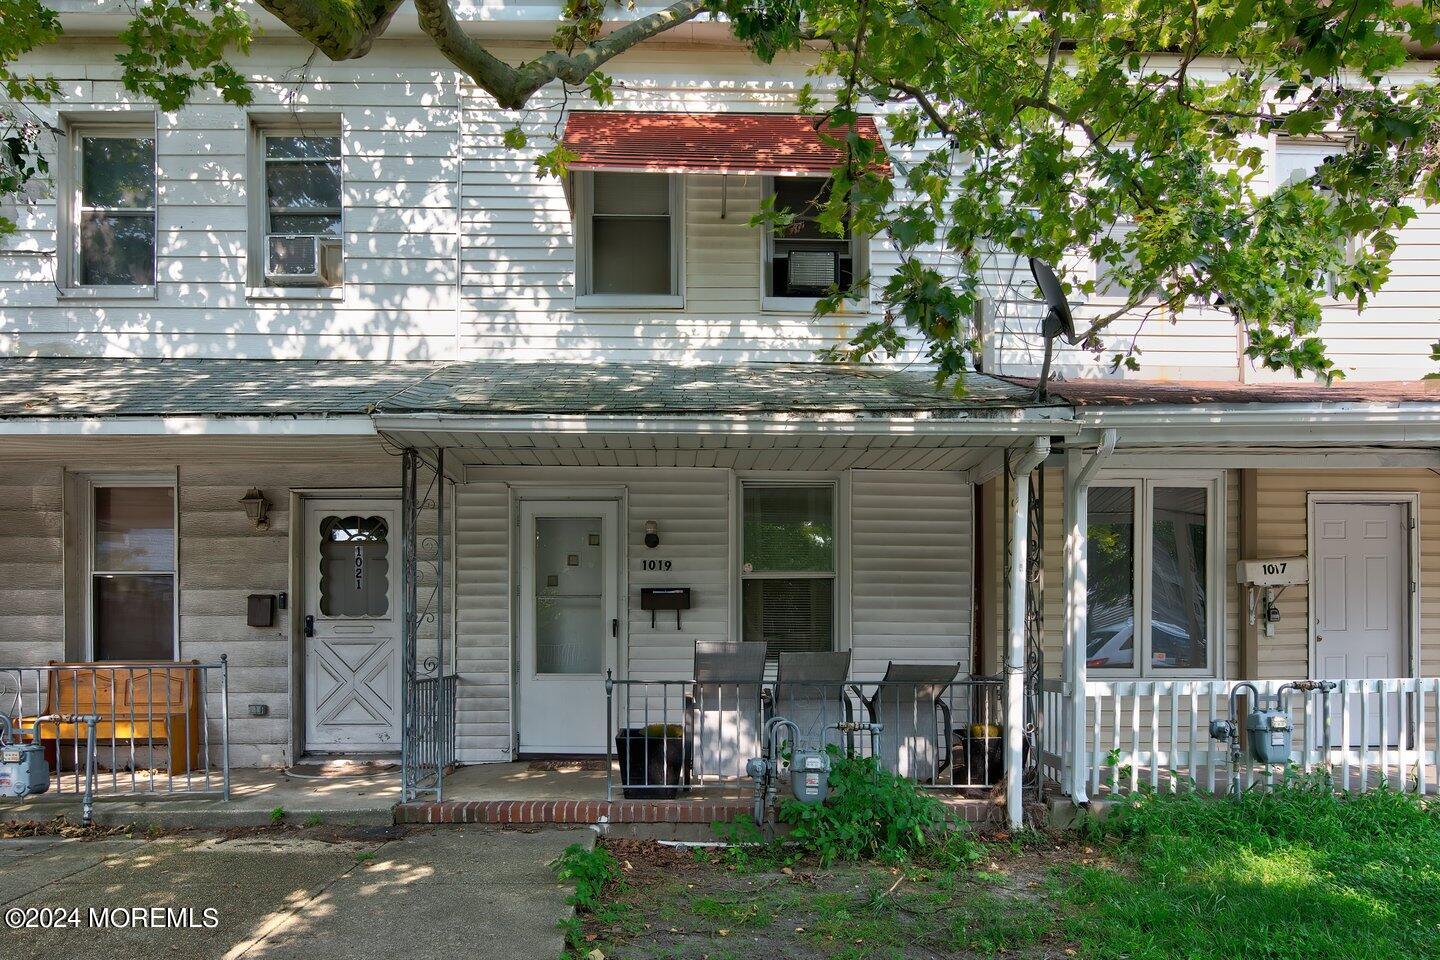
1080 469
1015 640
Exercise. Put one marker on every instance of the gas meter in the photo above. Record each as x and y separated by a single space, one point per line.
1268 730
810 776
23 770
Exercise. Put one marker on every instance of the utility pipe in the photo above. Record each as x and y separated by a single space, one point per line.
1015 646
1080 470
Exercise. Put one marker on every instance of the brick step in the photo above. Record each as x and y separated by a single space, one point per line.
571 811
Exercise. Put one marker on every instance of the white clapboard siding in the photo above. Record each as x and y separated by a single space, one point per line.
909 556
399 117
911 568
222 559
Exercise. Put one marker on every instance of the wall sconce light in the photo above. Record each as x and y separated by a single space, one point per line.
652 534
256 508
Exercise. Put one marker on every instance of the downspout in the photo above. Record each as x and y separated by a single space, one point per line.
1080 470
1015 645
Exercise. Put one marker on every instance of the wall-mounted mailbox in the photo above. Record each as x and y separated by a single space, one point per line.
260 610
665 598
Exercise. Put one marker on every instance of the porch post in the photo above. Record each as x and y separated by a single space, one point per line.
1080 469
1015 639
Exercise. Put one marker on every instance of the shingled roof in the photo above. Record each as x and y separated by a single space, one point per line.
105 387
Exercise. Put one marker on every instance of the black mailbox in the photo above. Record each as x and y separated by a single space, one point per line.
665 598
260 610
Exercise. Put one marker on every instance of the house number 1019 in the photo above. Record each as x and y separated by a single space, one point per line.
655 564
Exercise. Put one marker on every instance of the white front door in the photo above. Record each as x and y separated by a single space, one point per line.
353 623
569 626
1360 597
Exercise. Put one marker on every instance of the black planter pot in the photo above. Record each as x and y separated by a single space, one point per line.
653 766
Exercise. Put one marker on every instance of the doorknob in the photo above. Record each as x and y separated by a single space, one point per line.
310 626
615 627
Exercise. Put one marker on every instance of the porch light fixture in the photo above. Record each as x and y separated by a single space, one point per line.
256 508
652 534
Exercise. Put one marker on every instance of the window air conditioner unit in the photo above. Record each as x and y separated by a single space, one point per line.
813 270
302 260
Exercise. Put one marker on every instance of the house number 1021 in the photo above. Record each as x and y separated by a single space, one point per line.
654 564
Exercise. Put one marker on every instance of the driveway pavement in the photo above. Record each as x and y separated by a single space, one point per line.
382 893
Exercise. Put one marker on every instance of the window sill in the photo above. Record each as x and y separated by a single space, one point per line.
295 293
806 305
107 293
605 301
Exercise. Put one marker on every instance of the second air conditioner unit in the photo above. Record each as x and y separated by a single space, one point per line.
302 260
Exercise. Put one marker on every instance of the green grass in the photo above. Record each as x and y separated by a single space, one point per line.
1297 873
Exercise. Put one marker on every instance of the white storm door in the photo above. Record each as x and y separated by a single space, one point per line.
569 626
1361 601
353 622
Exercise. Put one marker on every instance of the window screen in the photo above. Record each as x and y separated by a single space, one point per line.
788 567
631 250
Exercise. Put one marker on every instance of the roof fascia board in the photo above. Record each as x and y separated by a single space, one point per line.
339 426
1022 425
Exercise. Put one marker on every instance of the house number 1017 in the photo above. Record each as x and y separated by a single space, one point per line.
655 564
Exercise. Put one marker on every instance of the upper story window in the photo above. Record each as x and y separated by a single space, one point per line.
108 227
629 235
802 261
787 572
1155 600
1108 283
1297 161
297 207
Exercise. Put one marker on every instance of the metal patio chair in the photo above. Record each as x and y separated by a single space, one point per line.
810 690
910 704
724 709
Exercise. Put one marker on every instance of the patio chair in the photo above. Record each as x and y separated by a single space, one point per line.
910 702
810 690
724 707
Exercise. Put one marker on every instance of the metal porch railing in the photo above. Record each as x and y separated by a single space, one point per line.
429 748
162 728
671 737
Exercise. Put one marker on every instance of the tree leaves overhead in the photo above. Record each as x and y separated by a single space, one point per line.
1041 129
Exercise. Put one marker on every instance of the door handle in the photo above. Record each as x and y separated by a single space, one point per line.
310 626
615 627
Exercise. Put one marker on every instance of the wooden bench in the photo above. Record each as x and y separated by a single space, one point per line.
149 703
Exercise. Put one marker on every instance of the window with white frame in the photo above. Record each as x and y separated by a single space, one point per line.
787 566
802 261
1298 161
1108 283
298 218
1154 597
630 239
131 561
111 222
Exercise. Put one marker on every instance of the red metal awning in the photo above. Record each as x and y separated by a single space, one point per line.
776 144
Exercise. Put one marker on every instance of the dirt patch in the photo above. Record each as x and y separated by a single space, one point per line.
718 903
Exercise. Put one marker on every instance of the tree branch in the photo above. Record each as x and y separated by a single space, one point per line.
513 86
340 29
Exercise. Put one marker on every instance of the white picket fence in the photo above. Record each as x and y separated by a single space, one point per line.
1156 733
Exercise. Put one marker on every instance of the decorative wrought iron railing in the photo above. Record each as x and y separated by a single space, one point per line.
429 735
671 737
161 728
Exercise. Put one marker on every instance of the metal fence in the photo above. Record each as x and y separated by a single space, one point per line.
669 737
161 728
429 743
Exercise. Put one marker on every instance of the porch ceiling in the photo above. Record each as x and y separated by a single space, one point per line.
736 450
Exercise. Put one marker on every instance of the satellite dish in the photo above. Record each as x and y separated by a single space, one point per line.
1058 318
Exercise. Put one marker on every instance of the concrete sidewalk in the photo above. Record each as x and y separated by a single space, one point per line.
368 892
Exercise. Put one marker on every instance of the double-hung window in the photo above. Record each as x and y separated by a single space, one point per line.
1297 161
629 235
131 589
787 570
1154 597
298 219
802 261
112 208
1109 285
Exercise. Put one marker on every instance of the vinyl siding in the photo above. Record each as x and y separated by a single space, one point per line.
908 561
